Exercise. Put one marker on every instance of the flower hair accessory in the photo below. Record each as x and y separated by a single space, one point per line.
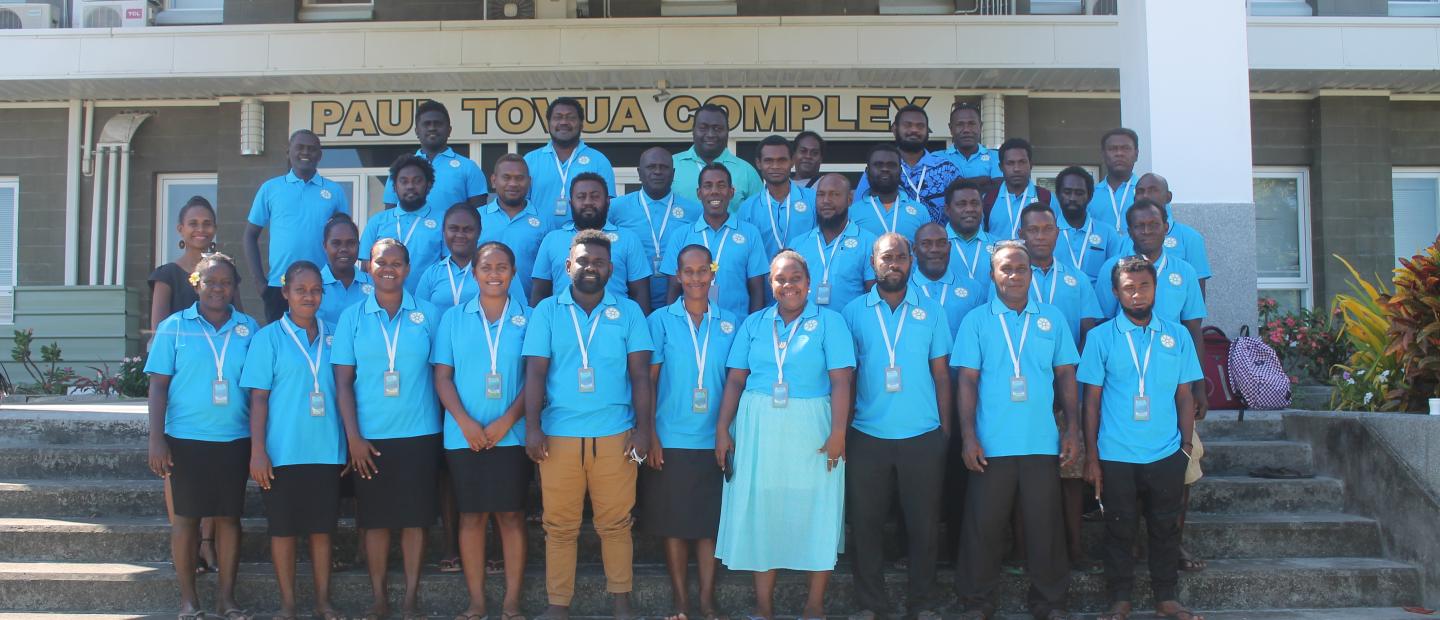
282 280
194 278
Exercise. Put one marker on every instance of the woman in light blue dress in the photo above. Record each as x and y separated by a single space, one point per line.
781 439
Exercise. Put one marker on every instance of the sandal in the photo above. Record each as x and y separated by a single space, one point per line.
679 615
450 565
203 565
494 567
199 615
511 615
328 614
237 614
1191 564
464 616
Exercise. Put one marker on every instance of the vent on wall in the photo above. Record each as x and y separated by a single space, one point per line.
509 9
21 16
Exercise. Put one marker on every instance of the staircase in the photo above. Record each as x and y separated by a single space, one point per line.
82 531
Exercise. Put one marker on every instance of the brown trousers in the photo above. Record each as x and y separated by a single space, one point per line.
574 466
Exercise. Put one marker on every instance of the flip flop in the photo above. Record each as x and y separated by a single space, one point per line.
494 567
237 614
450 565
506 615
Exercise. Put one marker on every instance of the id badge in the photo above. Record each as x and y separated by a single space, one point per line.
493 386
392 383
655 264
700 401
587 380
780 396
562 206
220 393
317 404
892 379
822 294
1142 408
1018 393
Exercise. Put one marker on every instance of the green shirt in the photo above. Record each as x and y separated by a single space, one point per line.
687 176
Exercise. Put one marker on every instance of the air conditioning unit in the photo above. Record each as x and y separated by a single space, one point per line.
19 16
509 9
112 14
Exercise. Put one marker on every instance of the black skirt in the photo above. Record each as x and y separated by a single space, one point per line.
403 491
682 500
303 499
208 478
494 480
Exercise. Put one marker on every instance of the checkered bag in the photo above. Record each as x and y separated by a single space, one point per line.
1256 373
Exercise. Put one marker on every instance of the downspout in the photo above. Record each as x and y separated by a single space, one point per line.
124 208
97 200
111 188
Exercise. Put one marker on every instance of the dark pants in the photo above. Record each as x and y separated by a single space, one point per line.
989 500
275 305
952 509
875 468
1160 485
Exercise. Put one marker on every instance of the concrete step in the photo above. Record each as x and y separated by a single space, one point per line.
1238 458
1228 584
1236 494
1344 613
1225 425
74 461
72 427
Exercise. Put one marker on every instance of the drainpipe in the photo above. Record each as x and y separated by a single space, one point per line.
111 187
124 208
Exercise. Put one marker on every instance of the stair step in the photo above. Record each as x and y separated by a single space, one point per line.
75 427
1237 494
1225 425
1343 613
74 461
1238 458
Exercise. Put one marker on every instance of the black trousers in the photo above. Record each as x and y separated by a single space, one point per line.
875 468
275 305
989 501
1160 485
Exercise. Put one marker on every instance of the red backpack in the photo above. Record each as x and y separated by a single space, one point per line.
1215 360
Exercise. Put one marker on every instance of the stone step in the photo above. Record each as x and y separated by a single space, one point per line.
1343 613
1227 584
72 427
1225 425
1238 458
1237 494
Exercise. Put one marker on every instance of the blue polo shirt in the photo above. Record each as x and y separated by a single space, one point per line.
982 163
1007 428
780 221
736 248
905 216
337 297
1110 207
1177 290
180 351
360 343
457 179
275 363
1085 248
1004 222
848 257
954 297
669 216
819 343
743 176
620 330
676 421
521 233
925 182
1066 289
625 254
295 211
419 230
1107 363
550 178
1182 241
970 260
461 344
924 336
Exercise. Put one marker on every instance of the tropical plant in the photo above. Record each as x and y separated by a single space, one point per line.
1308 343
51 378
1414 312
133 382
1370 380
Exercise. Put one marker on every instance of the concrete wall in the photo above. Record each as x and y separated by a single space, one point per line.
419 10
1067 131
240 176
32 147
1351 190
260 11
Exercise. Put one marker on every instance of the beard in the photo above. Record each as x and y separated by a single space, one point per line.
412 206
895 285
584 222
588 286
910 146
1139 314
884 187
832 221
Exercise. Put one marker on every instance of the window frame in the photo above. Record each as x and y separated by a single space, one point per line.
313 11
1428 173
7 289
1305 282
164 226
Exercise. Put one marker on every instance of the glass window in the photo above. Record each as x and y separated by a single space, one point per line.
9 241
1416 199
172 192
1282 219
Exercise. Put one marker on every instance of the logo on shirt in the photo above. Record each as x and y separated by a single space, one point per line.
961 292
800 207
454 163
242 331
810 325
325 193
1175 279
518 320
612 237
910 209
726 327
918 314
1171 242
417 317
1094 239
367 289
612 313
1043 324
1070 281
429 223
737 238
584 160
1167 341
990 249
851 243
985 157
677 212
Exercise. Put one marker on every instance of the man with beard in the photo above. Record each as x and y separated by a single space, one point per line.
784 210
837 251
934 279
970 247
809 156
1119 150
415 223
513 220
654 215
737 257
883 208
898 435
923 175
711 138
566 155
1003 204
1140 371
590 203
457 178
977 164
1180 239
295 207
1085 244
589 414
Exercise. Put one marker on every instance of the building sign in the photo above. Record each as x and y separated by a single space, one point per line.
754 113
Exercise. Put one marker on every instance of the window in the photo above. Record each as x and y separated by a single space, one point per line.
1044 176
191 12
364 186
172 191
1414 8
9 240
336 10
1416 196
1282 219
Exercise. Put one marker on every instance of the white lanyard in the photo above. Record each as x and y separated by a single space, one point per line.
494 342
1115 205
1160 266
664 222
405 239
880 213
392 343
925 288
782 350
1136 358
456 290
770 210
585 342
824 260
705 234
1054 279
564 170
314 364
1010 209
885 333
915 187
220 354
1085 240
973 262
1010 344
701 351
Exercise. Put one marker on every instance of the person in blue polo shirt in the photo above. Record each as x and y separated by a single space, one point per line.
590 200
479 378
513 220
345 285
680 493
448 282
1139 372
295 208
415 223
589 414
809 157
1180 239
554 165
738 258
199 424
654 215
1015 356
1003 204
883 207
386 398
902 422
933 279
1177 294
923 175
977 164
785 209
457 178
298 444
780 438
711 136
970 246
1084 243
837 249
1115 193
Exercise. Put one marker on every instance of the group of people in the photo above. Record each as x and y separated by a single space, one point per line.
948 336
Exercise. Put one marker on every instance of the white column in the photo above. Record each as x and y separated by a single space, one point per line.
992 115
